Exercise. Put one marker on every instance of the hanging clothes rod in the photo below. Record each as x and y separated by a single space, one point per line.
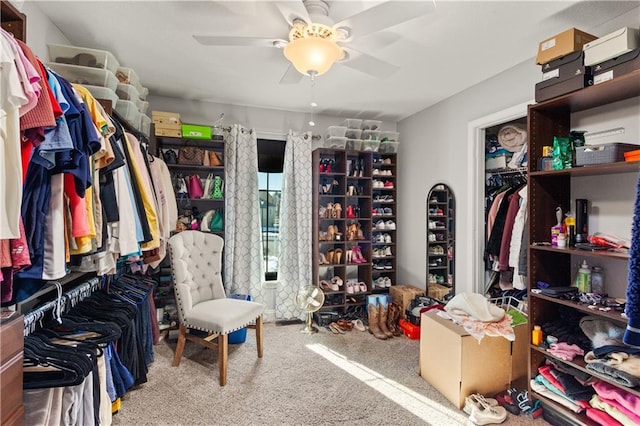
519 170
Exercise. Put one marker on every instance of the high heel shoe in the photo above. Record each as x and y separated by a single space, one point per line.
359 233
357 255
329 211
350 214
323 260
337 211
330 256
334 189
331 233
327 286
337 257
348 256
351 191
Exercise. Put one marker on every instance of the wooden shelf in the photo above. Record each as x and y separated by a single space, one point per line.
586 253
579 419
612 315
592 170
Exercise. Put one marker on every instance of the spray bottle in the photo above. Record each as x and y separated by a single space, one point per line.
557 228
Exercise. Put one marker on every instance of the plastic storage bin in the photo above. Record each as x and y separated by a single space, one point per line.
238 336
82 56
144 92
388 136
371 135
601 154
145 125
142 106
370 145
336 142
128 76
129 111
86 75
354 145
127 92
103 93
338 131
353 133
388 147
371 125
352 123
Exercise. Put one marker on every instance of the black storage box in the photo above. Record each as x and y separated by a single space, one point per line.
623 64
564 68
552 88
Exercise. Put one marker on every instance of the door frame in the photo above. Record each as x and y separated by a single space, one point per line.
476 177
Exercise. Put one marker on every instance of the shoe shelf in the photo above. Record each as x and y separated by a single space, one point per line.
440 241
346 178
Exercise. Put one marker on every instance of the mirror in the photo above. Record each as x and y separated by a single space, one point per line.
441 243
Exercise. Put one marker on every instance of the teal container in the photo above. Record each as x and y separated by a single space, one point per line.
238 336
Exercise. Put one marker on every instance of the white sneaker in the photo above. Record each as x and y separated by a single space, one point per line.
487 415
386 238
474 400
390 225
381 225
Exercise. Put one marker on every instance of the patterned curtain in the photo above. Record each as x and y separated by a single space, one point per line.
294 264
243 271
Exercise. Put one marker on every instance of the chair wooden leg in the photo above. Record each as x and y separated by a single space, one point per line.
223 355
182 339
259 335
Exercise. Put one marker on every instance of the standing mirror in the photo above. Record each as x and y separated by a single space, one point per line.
441 243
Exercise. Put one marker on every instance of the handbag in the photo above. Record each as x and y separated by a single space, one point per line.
170 156
214 159
195 186
217 221
208 186
206 221
190 155
180 185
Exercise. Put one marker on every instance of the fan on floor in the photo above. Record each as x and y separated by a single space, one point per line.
315 42
310 299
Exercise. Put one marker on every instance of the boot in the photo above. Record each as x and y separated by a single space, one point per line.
383 320
392 319
374 323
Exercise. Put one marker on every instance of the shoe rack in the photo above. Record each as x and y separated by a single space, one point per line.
440 241
383 221
342 246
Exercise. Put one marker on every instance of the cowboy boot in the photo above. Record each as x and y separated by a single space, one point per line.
392 319
382 311
374 323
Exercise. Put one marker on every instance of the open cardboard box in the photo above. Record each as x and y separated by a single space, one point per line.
454 363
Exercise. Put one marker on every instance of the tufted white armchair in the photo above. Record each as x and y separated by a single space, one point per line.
196 264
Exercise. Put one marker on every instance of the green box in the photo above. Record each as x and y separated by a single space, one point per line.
193 131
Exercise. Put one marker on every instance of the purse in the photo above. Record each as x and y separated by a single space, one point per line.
206 221
195 186
208 186
214 159
170 156
217 221
180 185
190 155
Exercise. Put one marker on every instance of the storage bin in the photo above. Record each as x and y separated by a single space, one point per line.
129 76
192 131
127 92
353 133
354 144
352 123
145 125
611 46
144 92
388 147
142 106
129 112
238 336
338 131
601 154
370 145
336 142
372 135
388 136
371 125
85 75
74 55
99 92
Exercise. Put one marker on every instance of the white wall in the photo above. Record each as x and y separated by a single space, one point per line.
40 30
434 149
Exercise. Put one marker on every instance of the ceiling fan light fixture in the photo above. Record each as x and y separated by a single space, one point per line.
312 55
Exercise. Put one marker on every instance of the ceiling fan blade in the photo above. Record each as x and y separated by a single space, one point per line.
368 64
292 10
236 41
291 76
385 15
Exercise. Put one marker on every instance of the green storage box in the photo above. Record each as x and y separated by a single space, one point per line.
192 131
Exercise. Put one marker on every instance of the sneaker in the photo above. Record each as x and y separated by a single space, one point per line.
390 225
388 184
376 172
388 265
379 238
386 238
387 282
487 414
381 225
378 266
474 400
387 251
378 184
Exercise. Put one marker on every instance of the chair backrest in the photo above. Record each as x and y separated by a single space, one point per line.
196 265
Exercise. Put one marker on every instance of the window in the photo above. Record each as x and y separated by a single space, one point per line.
270 163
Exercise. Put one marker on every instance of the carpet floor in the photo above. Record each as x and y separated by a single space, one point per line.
323 379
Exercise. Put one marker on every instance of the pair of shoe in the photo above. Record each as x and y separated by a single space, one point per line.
382 282
382 252
484 411
354 255
382 265
382 238
388 225
356 287
378 172
383 199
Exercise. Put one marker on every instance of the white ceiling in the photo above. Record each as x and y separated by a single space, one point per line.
456 46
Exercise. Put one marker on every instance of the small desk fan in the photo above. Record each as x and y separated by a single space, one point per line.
310 299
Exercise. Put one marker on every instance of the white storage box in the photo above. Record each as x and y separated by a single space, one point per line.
354 144
142 106
338 131
388 147
353 133
144 92
370 145
371 135
145 125
82 56
129 111
103 93
85 75
129 76
498 162
371 125
127 92
352 123
610 46
336 142
388 136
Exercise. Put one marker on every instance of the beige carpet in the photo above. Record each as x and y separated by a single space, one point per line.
324 379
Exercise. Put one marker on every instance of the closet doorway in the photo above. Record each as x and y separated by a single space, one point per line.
477 130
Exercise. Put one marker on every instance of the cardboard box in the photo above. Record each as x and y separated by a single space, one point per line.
173 133
454 363
611 46
404 294
437 291
165 119
562 44
192 131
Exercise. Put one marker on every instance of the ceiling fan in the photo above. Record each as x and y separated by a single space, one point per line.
315 42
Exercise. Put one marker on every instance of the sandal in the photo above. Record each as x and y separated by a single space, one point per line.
359 325
345 325
336 328
337 211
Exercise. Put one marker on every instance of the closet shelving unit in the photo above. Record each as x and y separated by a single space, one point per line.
441 238
549 189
